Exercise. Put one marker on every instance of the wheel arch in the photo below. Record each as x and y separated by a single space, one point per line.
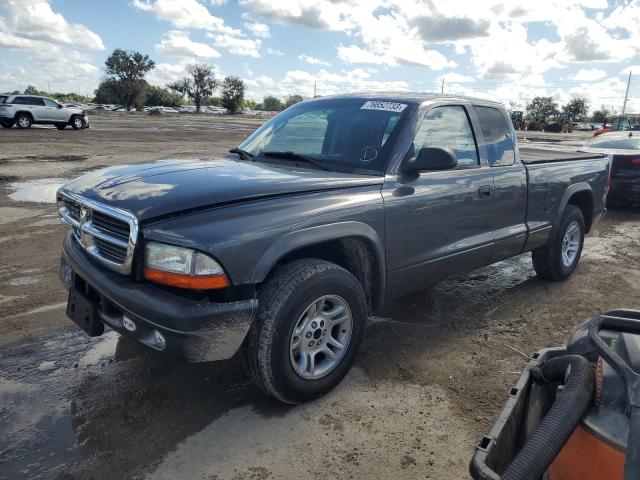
15 116
354 246
580 195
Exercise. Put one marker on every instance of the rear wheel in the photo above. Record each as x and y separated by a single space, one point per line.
559 259
7 123
77 122
23 120
310 323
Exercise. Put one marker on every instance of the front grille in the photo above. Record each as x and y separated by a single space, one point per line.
73 208
112 225
108 234
115 253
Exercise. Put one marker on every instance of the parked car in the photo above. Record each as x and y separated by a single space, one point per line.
283 247
26 110
624 151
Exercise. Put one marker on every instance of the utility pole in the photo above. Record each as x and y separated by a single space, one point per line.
442 87
315 88
626 95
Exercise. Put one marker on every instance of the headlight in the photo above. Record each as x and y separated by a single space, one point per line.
182 267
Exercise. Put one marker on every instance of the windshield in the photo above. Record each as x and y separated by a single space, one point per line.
349 135
625 141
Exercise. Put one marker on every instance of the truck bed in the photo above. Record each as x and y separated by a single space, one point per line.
543 154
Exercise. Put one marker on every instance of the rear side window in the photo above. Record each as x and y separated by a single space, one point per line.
28 101
497 136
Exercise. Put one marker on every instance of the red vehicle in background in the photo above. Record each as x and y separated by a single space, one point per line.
619 124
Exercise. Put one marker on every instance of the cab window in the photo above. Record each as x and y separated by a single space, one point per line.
497 136
449 127
50 103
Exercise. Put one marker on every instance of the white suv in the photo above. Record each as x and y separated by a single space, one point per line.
25 110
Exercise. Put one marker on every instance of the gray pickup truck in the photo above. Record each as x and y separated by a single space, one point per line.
280 250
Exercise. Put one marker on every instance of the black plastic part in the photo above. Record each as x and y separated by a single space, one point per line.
525 407
84 313
563 417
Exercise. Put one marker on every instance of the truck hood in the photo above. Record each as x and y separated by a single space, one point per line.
150 190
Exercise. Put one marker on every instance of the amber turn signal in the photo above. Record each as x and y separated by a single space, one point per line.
192 282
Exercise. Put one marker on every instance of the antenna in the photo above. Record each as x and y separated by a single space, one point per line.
626 95
315 88
442 87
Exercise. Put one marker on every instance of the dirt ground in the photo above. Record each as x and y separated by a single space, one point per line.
432 374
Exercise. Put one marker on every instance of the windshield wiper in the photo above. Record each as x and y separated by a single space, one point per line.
298 156
244 154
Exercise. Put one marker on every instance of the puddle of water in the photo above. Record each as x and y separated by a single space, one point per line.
21 281
102 350
42 190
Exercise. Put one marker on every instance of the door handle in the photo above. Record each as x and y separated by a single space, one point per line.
485 191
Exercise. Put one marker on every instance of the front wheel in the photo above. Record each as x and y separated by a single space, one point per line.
310 323
559 259
77 123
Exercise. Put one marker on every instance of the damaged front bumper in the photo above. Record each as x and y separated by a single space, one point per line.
196 330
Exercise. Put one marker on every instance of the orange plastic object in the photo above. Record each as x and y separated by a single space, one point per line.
186 281
586 457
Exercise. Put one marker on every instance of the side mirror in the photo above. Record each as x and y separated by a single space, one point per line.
60 106
432 158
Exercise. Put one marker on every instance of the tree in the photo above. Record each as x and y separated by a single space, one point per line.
271 103
542 108
198 86
158 96
232 94
110 90
600 116
292 100
129 69
31 90
577 108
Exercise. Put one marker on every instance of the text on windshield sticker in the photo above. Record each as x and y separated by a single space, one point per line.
387 106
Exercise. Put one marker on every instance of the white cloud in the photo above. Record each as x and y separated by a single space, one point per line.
258 29
178 44
273 51
302 83
33 25
589 74
185 14
238 46
313 60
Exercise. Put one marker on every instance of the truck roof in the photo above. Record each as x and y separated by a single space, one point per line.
409 97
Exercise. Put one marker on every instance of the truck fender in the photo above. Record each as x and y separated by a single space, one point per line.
314 235
569 192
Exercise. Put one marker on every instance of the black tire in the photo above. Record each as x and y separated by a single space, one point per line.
282 300
547 261
61 126
7 123
77 122
23 120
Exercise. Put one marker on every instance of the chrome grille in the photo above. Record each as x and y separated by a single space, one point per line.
109 224
108 234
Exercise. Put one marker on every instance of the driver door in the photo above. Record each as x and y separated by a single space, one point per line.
53 112
440 222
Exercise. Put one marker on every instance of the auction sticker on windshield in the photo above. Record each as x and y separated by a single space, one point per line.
387 106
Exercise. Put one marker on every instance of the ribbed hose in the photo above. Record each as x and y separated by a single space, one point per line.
561 420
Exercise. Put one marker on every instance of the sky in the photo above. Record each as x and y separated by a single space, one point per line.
506 51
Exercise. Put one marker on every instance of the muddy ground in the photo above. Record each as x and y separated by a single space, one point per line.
431 376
